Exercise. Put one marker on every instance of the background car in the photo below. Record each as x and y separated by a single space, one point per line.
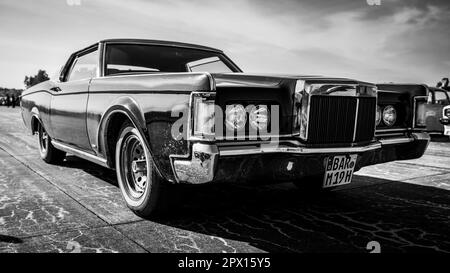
430 112
429 103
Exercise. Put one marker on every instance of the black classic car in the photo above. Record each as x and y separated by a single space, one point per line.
163 113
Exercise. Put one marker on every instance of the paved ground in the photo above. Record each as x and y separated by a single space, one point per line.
405 206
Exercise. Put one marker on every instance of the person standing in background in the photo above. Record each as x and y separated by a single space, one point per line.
13 101
7 100
445 84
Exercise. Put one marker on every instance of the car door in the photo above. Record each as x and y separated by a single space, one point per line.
69 100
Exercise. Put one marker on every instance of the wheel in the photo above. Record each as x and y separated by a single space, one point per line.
141 185
312 184
47 151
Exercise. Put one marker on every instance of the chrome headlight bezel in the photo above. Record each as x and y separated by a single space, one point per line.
259 117
389 115
235 117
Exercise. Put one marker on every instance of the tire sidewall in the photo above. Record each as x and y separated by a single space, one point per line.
141 203
44 154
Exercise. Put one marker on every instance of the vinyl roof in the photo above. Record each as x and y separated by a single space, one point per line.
162 43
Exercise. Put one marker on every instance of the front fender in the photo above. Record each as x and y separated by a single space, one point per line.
130 108
124 105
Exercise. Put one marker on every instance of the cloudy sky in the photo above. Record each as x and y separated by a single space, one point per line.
398 40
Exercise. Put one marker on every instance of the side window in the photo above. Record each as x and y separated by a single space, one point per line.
84 67
440 97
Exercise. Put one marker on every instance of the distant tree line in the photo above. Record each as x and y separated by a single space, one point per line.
29 81
41 76
10 91
6 93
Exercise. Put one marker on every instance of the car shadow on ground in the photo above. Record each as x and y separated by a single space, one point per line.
281 218
95 170
10 239
440 138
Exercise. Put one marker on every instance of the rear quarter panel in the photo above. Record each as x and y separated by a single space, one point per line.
36 102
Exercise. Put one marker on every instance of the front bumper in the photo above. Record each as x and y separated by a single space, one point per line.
285 161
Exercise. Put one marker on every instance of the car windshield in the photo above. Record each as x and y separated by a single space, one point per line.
140 58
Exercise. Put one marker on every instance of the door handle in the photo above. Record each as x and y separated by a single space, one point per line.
55 89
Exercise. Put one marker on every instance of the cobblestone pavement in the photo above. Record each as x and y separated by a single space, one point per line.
77 206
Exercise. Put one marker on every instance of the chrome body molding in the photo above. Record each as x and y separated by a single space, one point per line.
355 127
79 153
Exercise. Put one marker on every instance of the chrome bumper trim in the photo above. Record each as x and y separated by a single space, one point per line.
235 151
297 150
396 141
200 168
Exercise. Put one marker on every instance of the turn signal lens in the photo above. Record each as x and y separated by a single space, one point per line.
378 115
204 117
259 117
235 117
389 115
421 114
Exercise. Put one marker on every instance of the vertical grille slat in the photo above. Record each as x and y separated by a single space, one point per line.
332 119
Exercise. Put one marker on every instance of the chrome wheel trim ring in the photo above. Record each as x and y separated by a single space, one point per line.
134 184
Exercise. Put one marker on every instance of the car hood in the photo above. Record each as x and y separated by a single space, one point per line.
274 80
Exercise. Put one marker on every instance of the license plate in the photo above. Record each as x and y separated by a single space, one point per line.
339 170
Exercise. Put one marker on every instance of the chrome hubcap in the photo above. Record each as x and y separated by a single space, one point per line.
134 167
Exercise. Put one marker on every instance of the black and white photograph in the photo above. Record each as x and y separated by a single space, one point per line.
241 128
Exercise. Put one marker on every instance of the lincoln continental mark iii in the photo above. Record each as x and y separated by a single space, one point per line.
164 113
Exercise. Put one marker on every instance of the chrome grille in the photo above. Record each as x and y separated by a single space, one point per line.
332 119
